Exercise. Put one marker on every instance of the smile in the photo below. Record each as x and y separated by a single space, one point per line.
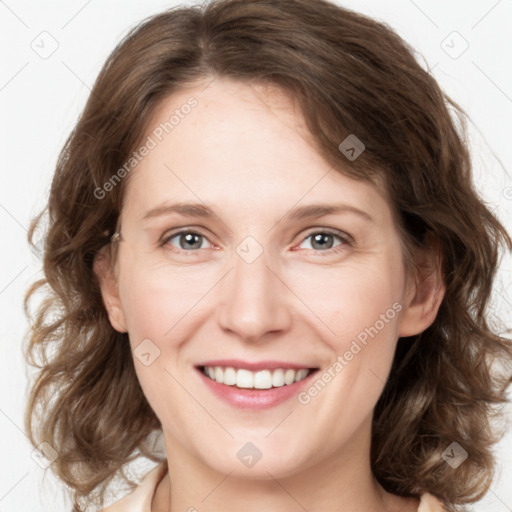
262 379
254 385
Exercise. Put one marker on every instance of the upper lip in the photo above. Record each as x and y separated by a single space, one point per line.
255 365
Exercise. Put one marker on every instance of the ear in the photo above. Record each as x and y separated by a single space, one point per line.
425 291
109 290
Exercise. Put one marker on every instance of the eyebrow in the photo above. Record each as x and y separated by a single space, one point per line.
299 213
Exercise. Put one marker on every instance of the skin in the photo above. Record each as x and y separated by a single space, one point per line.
245 151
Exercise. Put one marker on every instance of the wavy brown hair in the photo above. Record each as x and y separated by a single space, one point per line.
350 75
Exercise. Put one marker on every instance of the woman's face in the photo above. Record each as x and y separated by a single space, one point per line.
254 282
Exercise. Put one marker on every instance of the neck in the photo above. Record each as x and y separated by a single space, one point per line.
344 481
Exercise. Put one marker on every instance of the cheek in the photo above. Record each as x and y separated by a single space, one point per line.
363 324
354 300
160 300
360 310
159 303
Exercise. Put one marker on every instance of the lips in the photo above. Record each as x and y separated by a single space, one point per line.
255 385
254 365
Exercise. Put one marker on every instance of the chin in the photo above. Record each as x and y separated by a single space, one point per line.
252 461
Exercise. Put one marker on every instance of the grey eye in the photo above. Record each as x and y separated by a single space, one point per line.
323 240
187 240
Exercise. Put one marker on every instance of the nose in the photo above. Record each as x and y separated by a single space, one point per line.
254 301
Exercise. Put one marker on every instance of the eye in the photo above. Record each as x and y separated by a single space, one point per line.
188 241
323 241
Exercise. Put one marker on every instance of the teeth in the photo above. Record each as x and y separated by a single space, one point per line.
229 376
263 379
244 378
301 374
278 378
289 377
219 375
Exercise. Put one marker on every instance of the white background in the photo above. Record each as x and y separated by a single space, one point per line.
41 99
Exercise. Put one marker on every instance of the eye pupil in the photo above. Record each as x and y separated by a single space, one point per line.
321 238
190 237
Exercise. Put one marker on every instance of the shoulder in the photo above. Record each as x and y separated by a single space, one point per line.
429 503
140 499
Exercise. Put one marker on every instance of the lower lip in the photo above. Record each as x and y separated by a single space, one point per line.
254 398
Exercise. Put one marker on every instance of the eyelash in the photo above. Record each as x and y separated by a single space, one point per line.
343 237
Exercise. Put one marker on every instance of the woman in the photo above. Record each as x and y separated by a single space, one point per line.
264 243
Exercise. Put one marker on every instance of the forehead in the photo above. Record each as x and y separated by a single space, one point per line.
243 145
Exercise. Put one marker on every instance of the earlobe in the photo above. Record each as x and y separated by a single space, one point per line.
109 291
425 292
